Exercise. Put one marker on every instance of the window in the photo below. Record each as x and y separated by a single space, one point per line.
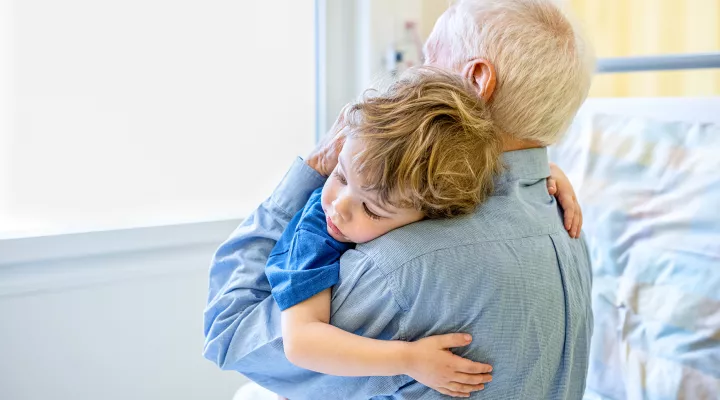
136 113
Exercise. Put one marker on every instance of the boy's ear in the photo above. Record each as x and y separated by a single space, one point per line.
482 74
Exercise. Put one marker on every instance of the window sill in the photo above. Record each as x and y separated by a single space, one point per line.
30 249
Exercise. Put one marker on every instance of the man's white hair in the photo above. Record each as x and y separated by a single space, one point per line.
543 65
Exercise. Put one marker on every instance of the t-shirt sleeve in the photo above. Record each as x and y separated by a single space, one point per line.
306 259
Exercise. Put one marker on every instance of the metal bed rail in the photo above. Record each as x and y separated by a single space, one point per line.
659 63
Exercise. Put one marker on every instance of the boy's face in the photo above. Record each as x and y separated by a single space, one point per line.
354 214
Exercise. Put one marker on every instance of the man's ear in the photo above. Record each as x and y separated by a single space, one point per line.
482 74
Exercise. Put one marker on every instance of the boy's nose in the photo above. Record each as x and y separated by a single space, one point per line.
342 207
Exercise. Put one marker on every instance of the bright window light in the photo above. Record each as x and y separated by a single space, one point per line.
145 112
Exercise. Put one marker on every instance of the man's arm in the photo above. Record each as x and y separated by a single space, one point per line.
253 345
242 321
365 306
238 284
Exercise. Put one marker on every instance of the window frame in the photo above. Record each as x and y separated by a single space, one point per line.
32 247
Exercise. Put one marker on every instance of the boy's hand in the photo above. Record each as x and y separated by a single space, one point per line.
324 157
430 362
559 186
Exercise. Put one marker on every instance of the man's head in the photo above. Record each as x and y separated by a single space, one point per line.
525 57
424 148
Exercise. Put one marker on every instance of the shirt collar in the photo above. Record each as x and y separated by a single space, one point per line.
527 164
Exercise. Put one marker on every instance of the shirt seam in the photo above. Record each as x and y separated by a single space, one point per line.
281 208
394 271
389 280
471 244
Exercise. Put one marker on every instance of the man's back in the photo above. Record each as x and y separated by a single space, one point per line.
510 275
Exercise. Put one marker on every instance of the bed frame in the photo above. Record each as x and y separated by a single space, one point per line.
691 109
659 63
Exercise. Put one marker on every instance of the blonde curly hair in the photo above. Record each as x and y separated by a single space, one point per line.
428 143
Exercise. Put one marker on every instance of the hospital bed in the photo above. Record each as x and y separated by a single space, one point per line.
647 174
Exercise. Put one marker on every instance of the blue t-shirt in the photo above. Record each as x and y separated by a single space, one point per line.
306 259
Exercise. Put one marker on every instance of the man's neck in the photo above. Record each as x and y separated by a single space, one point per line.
512 144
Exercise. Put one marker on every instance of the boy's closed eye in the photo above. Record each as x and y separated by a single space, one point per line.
339 177
370 214
367 210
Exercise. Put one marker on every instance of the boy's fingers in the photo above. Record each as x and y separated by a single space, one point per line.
577 223
552 186
449 392
471 379
463 388
451 340
471 367
568 207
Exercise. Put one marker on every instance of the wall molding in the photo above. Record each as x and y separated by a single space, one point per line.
87 244
74 274
29 266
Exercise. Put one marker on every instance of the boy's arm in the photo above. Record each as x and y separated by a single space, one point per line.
242 320
311 342
239 292
238 287
559 186
256 346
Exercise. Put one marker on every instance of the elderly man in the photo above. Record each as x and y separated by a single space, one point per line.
510 274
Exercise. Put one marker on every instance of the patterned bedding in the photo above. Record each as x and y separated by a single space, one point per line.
650 192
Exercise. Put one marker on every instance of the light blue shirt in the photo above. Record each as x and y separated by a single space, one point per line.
509 274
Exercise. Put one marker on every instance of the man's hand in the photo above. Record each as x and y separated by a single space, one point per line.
324 157
430 362
559 186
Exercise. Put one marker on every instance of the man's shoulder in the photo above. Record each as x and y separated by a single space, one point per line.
495 221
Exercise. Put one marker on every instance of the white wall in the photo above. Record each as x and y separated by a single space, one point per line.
338 54
124 114
431 10
380 23
114 327
358 34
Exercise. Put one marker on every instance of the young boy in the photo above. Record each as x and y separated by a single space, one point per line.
425 148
